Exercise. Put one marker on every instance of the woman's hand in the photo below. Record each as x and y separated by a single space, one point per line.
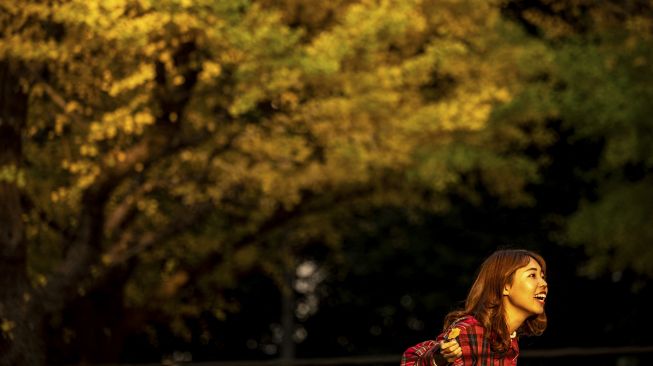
450 350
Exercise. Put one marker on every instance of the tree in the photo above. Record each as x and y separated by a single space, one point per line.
596 82
183 142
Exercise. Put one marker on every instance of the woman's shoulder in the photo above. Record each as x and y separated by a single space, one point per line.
468 324
466 320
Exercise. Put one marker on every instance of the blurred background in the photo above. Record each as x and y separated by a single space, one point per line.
299 182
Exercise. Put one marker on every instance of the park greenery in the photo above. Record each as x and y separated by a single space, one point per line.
161 151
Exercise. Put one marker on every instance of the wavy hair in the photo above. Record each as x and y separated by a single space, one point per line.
484 298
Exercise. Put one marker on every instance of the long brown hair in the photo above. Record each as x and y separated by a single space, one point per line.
484 298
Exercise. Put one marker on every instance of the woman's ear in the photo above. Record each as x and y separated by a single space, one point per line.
506 290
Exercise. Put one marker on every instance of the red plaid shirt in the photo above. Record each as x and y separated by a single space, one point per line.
475 346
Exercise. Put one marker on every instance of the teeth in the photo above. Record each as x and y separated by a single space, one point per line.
540 296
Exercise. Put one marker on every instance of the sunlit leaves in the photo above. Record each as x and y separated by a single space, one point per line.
276 120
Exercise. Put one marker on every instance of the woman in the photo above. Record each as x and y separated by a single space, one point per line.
506 301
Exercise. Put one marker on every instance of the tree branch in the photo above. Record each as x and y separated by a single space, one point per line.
161 141
312 203
126 210
125 249
28 204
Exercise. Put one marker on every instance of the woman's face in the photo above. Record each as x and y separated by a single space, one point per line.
526 294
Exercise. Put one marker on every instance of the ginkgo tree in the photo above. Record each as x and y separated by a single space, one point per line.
185 139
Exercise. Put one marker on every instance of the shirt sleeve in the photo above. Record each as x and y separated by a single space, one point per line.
422 354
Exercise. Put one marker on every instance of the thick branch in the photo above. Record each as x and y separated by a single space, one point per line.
125 248
312 204
161 141
125 211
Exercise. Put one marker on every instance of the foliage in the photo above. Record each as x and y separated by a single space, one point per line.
597 80
185 140
188 142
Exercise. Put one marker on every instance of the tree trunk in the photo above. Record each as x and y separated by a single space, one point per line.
288 317
23 308
20 322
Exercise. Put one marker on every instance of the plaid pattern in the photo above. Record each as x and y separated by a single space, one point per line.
474 344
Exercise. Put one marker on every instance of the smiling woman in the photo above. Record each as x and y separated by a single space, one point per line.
506 301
